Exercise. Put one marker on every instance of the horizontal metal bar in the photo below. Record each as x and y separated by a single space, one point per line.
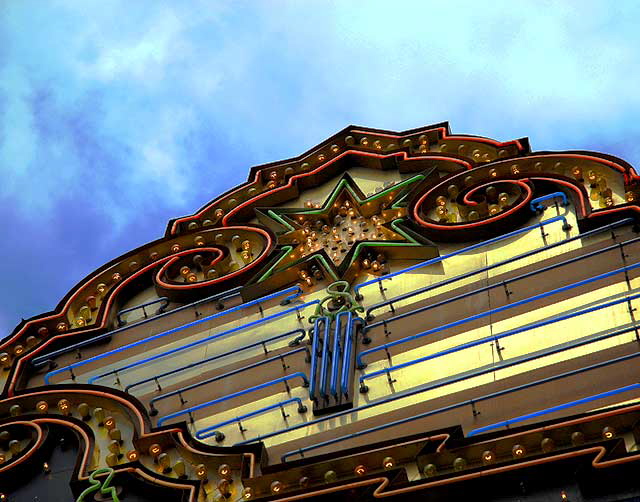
471 273
165 301
212 430
294 290
451 407
228 374
438 259
499 336
44 359
161 355
448 381
496 310
243 392
302 333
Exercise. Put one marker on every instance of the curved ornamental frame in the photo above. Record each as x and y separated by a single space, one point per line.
454 189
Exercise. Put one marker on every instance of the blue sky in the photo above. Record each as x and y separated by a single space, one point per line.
117 115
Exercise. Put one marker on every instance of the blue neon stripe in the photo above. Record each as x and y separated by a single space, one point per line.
495 311
514 331
324 368
337 350
438 259
560 407
314 354
217 378
243 392
207 432
48 376
196 343
438 410
213 358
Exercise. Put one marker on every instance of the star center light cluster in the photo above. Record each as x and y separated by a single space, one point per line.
342 227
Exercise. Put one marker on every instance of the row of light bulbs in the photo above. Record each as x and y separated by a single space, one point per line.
518 451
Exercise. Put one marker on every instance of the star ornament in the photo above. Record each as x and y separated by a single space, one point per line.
349 234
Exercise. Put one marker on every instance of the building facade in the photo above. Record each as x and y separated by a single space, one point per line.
404 316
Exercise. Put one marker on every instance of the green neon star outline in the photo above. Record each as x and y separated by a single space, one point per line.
283 218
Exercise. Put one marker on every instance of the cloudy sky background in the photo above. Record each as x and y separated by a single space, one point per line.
118 115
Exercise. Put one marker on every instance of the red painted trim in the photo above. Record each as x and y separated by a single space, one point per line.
404 156
113 294
225 218
32 450
445 137
455 226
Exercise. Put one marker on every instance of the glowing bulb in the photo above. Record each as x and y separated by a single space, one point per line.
201 472
132 455
64 406
388 462
360 470
224 471
518 451
608 432
109 423
276 487
155 450
42 406
488 457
